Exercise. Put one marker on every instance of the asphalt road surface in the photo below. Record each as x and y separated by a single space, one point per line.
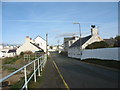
81 75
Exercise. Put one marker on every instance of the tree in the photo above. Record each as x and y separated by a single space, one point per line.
51 47
95 45
117 43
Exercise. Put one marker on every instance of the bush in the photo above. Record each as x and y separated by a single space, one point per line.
22 53
10 60
28 52
64 53
117 43
96 45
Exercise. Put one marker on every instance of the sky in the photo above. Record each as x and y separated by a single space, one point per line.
21 19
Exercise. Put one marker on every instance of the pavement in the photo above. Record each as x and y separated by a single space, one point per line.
51 77
77 74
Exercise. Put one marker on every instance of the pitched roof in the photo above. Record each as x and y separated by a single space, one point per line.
39 37
12 50
83 40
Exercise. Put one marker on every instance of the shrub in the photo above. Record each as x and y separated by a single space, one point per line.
22 53
117 43
64 53
96 45
28 52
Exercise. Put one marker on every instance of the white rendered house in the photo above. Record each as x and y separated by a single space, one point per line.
74 49
40 42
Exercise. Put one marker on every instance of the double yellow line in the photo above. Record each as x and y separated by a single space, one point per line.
61 76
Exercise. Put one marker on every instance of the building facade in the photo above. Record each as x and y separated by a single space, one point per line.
41 42
75 50
68 41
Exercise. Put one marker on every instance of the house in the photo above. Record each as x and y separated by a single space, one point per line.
74 49
3 53
7 53
68 41
11 53
40 42
29 45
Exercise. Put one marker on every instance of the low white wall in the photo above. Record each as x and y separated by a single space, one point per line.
103 53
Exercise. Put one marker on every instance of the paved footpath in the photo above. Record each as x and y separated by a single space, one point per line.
51 78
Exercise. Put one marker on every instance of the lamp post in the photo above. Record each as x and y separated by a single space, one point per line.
80 38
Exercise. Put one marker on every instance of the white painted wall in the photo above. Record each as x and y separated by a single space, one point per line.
27 46
103 53
1 54
41 42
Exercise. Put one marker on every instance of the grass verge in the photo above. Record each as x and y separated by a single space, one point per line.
107 63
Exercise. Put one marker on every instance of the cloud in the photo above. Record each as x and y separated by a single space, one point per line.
67 34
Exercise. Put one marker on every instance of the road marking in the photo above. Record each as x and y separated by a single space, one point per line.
61 76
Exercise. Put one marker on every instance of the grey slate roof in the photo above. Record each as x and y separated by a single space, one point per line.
12 51
83 40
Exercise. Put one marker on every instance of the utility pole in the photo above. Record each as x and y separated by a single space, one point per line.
47 44
58 46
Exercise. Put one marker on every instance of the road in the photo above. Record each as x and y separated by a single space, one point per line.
81 75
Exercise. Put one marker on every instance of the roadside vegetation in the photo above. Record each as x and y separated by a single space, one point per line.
96 45
64 53
117 43
103 44
11 64
107 63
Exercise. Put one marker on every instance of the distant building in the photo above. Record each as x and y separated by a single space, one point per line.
7 53
52 48
68 41
74 49
7 50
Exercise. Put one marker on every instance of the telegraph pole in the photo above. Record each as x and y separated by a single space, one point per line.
47 44
58 46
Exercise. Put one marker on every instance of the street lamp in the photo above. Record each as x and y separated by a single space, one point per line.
80 38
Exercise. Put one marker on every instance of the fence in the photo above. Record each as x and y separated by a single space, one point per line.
103 53
39 64
30 57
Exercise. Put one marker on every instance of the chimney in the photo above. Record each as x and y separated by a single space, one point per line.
32 40
27 39
94 30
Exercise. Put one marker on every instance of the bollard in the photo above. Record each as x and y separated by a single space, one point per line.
38 68
34 72
25 77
